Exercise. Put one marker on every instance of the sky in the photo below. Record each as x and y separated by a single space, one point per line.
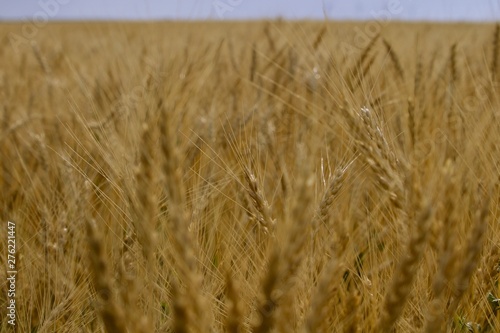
427 10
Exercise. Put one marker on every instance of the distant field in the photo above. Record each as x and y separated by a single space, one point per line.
250 177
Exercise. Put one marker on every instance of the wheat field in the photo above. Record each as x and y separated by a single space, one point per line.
251 177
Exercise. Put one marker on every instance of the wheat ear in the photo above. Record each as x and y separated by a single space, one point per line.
404 274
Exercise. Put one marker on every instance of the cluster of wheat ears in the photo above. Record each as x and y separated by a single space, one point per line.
263 177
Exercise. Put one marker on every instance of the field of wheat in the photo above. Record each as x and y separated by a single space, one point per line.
251 177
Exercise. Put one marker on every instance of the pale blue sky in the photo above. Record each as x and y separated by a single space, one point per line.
454 10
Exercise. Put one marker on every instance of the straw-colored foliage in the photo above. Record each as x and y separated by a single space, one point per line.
251 177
